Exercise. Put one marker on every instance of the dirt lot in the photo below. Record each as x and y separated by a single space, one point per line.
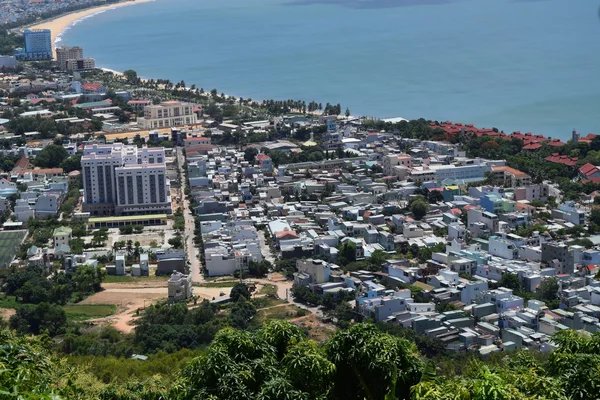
128 298
317 330
145 238
6 313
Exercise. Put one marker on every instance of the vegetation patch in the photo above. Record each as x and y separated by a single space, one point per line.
224 284
268 290
133 279
286 312
82 312
8 301
265 302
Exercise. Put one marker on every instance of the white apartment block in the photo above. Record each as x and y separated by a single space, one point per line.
168 114
125 180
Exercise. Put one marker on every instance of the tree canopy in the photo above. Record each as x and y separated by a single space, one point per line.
51 156
278 362
419 208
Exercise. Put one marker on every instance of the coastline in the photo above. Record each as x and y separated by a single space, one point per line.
58 25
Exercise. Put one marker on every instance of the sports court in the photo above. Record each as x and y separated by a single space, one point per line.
9 244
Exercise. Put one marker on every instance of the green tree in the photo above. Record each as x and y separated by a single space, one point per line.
240 290
51 156
259 269
356 375
419 208
347 253
72 163
510 281
130 75
241 313
250 153
39 318
378 259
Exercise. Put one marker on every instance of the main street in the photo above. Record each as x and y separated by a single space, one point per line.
283 287
191 249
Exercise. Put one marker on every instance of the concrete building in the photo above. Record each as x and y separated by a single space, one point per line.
168 114
38 45
511 177
532 192
317 271
570 213
179 287
8 62
497 205
65 53
62 236
47 205
390 161
503 248
473 291
170 261
481 222
559 256
125 180
120 265
80 64
141 269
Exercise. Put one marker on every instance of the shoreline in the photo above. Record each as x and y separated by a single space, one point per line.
60 24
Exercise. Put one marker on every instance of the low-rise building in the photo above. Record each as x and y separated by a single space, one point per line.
62 236
179 287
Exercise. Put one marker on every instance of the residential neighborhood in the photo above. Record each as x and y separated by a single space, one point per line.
417 232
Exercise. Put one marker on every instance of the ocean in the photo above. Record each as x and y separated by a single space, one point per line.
527 65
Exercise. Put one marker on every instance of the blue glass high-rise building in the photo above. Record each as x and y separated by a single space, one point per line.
38 45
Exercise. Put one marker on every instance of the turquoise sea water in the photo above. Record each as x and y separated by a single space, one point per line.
529 65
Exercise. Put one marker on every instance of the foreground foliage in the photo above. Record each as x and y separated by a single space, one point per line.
279 362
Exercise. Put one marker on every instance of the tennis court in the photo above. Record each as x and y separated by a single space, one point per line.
9 244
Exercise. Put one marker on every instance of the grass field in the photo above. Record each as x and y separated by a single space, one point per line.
219 284
268 289
264 302
82 312
132 279
9 243
8 301
284 312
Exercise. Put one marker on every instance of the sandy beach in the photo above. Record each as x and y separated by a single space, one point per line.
58 25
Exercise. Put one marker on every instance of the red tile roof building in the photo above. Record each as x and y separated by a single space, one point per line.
564 160
589 171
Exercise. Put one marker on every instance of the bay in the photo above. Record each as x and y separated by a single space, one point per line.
528 65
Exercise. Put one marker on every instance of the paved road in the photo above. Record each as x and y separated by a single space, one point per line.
190 248
264 248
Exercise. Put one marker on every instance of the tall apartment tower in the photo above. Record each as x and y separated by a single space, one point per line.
125 180
168 114
65 53
38 45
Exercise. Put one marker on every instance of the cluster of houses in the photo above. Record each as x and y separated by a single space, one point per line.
42 192
16 10
355 195
307 211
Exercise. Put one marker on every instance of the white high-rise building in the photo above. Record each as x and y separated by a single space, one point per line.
125 180
168 114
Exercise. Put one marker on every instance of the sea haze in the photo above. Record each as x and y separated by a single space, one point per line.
528 65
